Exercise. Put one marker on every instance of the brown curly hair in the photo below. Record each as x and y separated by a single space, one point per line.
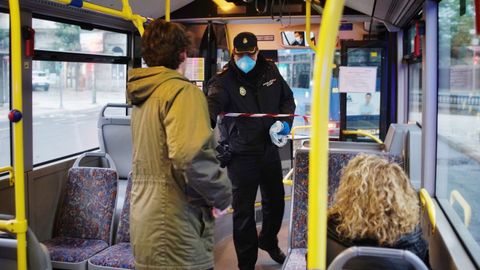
375 200
162 43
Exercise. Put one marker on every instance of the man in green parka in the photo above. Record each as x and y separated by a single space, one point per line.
177 184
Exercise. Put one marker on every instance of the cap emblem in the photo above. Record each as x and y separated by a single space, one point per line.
245 40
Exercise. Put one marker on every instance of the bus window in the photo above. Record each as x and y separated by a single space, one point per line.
296 67
4 89
68 95
458 143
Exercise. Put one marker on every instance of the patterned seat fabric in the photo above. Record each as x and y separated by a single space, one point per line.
73 250
336 162
117 256
84 223
121 254
296 260
123 232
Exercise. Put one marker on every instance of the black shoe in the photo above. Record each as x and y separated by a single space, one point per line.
275 253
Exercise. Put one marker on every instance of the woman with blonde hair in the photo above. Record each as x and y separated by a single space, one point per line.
375 205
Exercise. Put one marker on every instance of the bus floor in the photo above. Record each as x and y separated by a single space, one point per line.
226 259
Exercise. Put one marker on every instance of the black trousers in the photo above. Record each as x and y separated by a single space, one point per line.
247 173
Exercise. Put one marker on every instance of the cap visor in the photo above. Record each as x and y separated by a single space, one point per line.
246 50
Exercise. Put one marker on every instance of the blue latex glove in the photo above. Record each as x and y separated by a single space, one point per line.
277 138
285 130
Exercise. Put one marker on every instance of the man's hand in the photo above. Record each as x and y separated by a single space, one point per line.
216 213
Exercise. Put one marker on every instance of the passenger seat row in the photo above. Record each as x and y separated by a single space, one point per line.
83 229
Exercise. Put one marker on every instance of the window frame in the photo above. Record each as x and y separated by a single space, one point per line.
7 12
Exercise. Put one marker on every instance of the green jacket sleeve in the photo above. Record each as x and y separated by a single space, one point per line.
205 177
190 147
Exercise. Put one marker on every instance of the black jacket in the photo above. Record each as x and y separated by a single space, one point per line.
412 242
262 90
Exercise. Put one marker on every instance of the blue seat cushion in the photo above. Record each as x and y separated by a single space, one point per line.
73 250
117 256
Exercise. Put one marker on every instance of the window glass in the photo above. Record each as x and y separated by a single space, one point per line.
415 92
296 67
4 90
56 36
67 98
363 109
458 144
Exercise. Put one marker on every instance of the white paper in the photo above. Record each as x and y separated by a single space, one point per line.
357 79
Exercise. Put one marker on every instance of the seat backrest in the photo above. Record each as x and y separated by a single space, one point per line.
376 258
88 204
123 232
337 160
115 137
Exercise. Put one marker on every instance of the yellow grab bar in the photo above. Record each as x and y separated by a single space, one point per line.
287 179
427 203
167 10
456 196
362 133
10 174
294 130
308 22
125 13
19 224
318 164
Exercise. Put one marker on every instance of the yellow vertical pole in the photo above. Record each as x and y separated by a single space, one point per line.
20 221
308 22
318 176
167 10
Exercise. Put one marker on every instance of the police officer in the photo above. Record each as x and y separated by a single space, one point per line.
251 84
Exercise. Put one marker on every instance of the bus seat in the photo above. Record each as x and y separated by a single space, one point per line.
119 255
338 158
84 224
115 137
296 260
37 254
376 258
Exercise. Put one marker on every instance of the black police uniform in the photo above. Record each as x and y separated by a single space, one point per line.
255 160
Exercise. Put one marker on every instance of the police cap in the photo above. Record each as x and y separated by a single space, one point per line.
245 42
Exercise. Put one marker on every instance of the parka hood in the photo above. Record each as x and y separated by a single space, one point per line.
142 82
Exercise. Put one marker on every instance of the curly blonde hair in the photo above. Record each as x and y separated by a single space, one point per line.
375 200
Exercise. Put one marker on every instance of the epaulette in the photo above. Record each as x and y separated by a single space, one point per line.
224 69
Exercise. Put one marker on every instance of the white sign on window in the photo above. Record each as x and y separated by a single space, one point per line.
357 79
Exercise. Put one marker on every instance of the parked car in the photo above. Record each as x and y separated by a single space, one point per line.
40 80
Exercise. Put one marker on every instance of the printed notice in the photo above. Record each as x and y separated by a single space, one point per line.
195 69
357 79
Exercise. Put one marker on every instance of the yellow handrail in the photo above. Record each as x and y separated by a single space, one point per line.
362 133
19 224
294 130
167 10
427 203
308 22
318 173
456 196
10 174
287 179
125 13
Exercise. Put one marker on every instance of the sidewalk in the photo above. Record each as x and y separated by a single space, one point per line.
461 132
53 104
